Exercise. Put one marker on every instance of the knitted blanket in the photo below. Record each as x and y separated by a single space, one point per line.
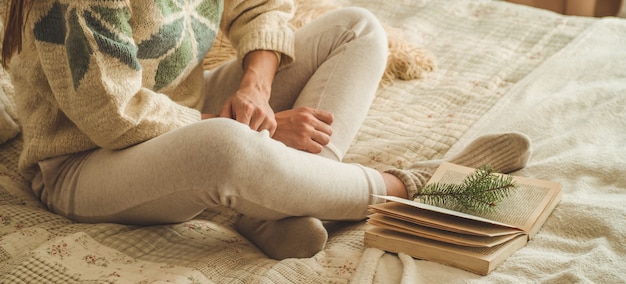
500 67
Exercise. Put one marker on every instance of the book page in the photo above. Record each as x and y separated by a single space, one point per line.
417 214
383 221
440 210
521 209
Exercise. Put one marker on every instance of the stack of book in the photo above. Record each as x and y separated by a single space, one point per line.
477 242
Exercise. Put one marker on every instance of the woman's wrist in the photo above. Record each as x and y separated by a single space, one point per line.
259 68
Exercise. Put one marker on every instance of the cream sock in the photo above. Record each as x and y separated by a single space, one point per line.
293 237
505 152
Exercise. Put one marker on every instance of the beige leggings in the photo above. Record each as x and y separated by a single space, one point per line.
220 162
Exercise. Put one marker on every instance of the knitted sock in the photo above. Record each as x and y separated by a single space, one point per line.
293 237
505 153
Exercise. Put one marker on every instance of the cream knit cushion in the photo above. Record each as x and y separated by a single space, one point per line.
8 115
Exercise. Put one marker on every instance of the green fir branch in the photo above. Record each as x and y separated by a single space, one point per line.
481 191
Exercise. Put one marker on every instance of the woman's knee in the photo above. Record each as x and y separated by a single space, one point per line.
223 141
367 27
218 134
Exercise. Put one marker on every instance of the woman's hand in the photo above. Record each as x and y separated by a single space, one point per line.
250 103
250 108
304 128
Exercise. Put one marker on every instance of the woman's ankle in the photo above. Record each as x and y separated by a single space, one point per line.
395 186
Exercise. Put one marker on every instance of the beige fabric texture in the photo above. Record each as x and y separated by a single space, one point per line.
500 67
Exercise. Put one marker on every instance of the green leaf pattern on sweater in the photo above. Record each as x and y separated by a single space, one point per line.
115 43
193 34
78 49
51 27
186 34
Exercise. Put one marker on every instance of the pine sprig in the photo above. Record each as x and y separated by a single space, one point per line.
481 191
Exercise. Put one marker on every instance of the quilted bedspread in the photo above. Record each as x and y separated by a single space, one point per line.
499 67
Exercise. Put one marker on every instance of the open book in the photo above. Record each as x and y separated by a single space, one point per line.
477 242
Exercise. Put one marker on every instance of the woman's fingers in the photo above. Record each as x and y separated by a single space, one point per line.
304 128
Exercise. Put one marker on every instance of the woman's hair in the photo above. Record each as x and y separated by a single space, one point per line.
12 41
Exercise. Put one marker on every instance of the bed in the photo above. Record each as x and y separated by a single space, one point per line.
498 67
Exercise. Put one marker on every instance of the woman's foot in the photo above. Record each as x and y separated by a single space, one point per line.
505 153
293 237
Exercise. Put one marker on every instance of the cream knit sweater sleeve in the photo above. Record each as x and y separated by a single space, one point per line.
260 24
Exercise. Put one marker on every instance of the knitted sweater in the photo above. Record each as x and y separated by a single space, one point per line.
96 74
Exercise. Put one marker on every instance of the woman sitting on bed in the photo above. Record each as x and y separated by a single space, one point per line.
121 124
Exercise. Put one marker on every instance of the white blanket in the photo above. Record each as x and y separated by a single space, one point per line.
573 107
562 81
